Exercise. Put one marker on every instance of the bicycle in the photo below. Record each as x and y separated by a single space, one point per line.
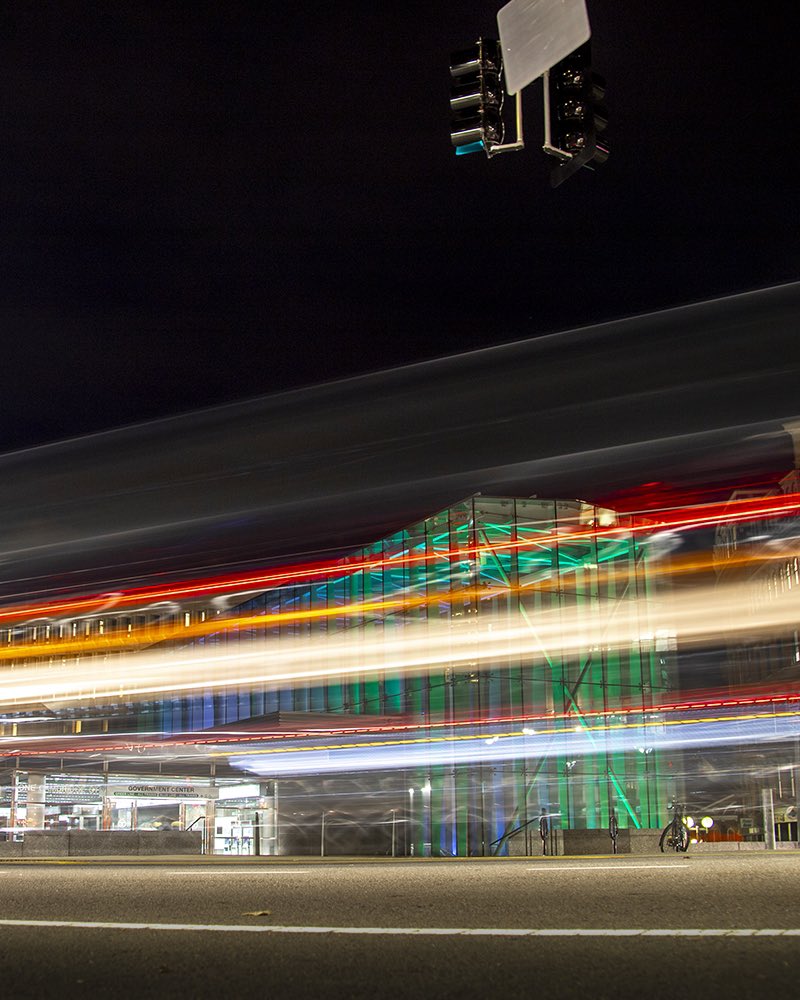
675 835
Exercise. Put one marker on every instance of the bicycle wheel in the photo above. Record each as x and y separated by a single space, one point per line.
682 840
663 840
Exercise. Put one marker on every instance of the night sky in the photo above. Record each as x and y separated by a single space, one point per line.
205 202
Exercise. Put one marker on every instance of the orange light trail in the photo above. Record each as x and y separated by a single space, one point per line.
141 636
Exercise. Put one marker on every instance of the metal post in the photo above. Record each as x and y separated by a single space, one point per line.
411 828
15 792
427 819
483 814
210 821
613 829
322 835
768 811
548 143
544 831
796 790
105 822
394 833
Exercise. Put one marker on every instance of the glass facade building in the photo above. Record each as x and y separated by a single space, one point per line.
474 565
482 559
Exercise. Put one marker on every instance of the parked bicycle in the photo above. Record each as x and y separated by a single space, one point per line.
675 835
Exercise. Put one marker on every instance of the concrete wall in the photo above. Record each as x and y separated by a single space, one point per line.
586 842
643 841
629 841
45 844
101 843
593 842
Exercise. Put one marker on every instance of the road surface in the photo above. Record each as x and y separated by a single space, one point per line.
549 927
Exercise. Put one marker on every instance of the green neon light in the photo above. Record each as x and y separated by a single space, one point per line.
529 562
614 549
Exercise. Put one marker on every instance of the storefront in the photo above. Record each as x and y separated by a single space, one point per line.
235 818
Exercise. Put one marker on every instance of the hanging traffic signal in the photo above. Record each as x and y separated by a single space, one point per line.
576 115
476 97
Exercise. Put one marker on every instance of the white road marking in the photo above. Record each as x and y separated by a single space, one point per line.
600 868
736 932
240 871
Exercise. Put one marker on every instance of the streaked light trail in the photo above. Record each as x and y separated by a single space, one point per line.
698 616
446 749
136 637
702 515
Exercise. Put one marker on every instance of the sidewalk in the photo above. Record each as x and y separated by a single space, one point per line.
139 860
713 847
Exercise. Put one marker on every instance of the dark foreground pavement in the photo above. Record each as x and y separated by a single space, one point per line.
554 927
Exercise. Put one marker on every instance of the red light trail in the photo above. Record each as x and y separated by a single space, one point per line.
681 518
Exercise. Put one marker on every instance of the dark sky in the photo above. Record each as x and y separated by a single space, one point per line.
201 203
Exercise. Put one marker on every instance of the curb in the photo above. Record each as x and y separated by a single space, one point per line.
292 860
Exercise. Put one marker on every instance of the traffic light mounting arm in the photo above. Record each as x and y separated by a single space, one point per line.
547 145
519 143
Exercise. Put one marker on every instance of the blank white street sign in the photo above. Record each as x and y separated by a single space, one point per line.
536 34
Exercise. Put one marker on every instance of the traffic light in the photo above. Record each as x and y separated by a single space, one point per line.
476 97
576 114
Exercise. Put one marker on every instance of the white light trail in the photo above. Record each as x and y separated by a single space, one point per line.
695 616
386 754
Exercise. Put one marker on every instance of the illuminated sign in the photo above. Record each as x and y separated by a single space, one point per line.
143 790
56 792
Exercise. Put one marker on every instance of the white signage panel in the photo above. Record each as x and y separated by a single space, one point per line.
144 790
240 791
536 34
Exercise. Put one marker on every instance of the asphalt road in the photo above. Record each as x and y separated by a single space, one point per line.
397 929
